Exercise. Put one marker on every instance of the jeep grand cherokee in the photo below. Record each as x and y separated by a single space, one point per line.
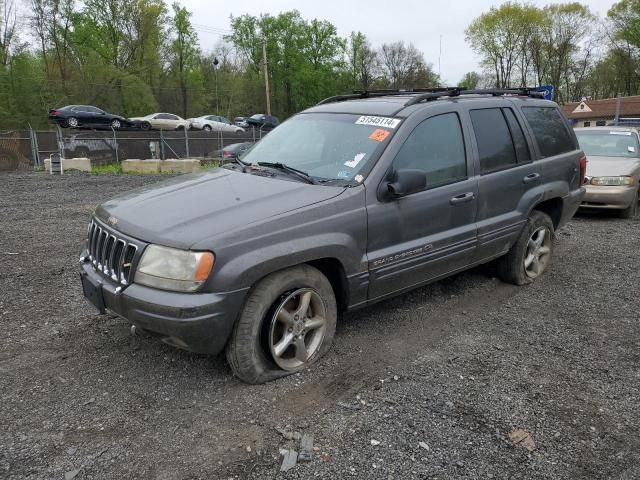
353 201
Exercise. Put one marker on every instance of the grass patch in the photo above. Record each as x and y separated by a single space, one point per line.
110 169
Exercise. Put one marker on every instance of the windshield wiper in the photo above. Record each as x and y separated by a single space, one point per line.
290 170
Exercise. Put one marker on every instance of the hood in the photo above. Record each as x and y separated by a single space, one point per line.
189 209
612 166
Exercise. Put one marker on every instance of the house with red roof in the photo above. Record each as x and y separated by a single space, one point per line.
598 113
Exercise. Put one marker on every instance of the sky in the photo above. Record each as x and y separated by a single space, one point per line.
422 23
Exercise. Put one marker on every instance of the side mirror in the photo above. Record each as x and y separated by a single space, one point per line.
406 182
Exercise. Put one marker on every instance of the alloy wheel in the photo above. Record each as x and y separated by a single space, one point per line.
297 329
538 252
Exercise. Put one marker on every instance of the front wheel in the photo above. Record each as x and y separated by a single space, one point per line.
529 257
287 324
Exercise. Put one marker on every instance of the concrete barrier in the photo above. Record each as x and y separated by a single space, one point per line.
82 164
141 166
182 165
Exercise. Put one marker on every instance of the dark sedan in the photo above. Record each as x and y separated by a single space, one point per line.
233 151
261 120
87 116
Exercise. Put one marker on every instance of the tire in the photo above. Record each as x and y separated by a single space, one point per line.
145 126
115 124
632 210
537 234
207 128
270 321
71 122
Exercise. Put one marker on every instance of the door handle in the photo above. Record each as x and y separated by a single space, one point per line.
534 177
463 198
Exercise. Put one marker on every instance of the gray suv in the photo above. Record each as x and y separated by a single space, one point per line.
358 199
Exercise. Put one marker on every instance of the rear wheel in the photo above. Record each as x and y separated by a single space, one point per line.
529 257
115 124
145 126
287 324
207 128
72 122
632 210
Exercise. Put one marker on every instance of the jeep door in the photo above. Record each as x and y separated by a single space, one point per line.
431 233
510 181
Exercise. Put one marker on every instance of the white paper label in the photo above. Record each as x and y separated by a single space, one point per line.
627 134
631 149
385 122
356 160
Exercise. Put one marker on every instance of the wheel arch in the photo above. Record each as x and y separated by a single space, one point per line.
333 269
553 208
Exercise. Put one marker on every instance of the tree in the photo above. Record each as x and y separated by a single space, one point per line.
569 25
470 80
305 59
7 30
184 53
362 61
404 66
501 36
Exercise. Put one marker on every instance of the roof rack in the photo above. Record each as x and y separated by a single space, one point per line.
427 94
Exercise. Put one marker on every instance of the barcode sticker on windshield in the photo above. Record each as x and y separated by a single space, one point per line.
384 122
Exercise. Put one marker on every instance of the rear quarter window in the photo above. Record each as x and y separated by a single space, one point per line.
550 130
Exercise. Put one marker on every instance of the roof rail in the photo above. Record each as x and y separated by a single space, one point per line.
496 92
360 94
427 94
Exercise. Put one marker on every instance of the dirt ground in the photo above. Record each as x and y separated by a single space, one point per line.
454 380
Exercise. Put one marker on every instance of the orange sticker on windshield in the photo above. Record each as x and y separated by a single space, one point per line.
379 135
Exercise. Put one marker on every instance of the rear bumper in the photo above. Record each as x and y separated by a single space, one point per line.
571 203
609 197
198 322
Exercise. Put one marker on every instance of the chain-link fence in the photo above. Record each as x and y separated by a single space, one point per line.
23 149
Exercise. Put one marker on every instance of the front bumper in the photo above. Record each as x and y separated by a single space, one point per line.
613 197
198 322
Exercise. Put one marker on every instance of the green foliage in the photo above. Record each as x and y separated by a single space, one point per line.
470 80
109 169
625 16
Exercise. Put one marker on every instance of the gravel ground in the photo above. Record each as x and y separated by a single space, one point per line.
432 384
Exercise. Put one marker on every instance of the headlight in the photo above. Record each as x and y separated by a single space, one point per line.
611 181
172 269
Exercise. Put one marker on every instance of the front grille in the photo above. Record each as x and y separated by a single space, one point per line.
110 253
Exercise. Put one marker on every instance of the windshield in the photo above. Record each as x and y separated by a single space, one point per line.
613 143
326 146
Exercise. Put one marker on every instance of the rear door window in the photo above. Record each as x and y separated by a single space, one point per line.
493 137
550 130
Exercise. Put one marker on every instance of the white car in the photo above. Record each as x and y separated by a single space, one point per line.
161 121
215 123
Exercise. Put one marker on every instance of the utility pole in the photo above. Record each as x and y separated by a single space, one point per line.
266 76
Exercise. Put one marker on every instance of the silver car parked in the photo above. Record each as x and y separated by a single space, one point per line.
215 123
613 168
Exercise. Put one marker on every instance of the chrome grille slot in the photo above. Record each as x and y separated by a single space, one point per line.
107 261
111 254
127 263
